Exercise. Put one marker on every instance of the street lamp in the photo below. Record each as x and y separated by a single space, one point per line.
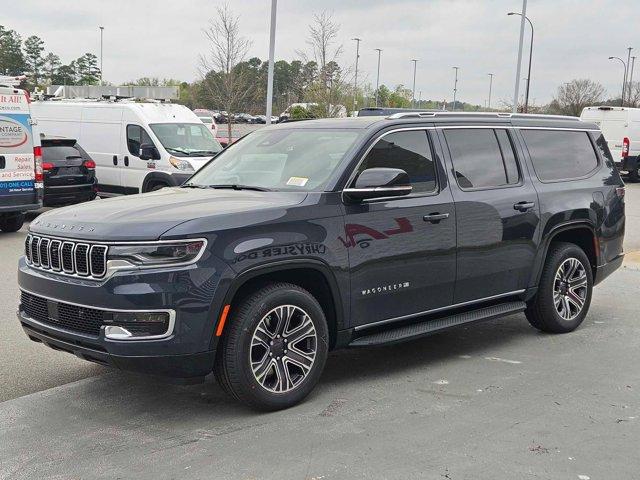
633 64
355 81
516 89
628 68
490 85
624 79
272 49
379 50
455 87
526 97
101 32
413 95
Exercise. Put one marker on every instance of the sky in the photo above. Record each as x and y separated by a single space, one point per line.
164 38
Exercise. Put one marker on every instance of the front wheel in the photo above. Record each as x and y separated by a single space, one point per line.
274 348
12 223
564 293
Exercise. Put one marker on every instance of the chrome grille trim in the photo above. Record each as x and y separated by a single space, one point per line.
67 257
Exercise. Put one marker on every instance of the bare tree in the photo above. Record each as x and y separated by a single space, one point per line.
223 78
572 97
330 86
634 94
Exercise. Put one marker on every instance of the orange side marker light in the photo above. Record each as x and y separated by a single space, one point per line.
223 319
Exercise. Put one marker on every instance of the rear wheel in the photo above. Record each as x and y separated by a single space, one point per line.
274 348
634 175
11 223
564 292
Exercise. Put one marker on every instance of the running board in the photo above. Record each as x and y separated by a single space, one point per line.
416 330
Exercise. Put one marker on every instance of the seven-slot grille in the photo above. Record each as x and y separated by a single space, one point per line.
58 314
68 257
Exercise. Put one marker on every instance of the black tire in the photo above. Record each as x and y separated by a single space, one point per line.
237 348
543 312
12 223
634 175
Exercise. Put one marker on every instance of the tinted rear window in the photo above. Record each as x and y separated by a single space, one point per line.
482 158
52 153
558 155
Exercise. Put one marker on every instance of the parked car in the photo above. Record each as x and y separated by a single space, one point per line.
69 172
621 128
137 146
20 169
211 123
317 235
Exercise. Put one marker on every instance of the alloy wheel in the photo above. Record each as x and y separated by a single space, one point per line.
570 289
283 348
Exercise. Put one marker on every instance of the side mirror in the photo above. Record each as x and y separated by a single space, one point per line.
148 152
378 183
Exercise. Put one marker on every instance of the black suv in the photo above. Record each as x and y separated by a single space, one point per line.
309 236
69 172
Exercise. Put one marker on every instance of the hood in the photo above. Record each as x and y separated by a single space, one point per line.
149 215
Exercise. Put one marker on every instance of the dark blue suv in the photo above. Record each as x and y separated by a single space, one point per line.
310 236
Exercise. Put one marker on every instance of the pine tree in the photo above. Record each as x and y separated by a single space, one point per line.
33 50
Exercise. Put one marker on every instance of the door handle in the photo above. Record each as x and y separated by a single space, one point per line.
435 217
115 159
126 161
524 206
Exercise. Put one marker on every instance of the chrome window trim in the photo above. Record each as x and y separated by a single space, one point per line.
440 309
168 333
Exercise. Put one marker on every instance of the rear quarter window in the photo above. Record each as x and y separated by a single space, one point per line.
560 155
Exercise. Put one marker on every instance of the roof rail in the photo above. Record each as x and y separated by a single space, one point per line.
394 116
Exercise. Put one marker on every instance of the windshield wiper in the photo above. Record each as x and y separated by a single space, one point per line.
235 186
179 150
193 185
204 152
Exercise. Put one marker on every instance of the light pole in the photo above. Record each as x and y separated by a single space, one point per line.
516 91
455 88
272 49
101 32
355 81
628 68
624 79
526 97
413 94
379 50
490 86
633 64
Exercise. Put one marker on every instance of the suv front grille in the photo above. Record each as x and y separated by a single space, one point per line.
68 257
63 315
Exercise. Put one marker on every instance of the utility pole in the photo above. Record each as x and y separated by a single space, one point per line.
516 91
413 94
355 81
379 50
490 86
624 79
455 88
633 63
101 32
272 49
628 68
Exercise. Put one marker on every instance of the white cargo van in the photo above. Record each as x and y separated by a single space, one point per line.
20 167
137 146
621 128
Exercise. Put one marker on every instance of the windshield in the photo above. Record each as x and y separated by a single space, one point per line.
186 139
279 159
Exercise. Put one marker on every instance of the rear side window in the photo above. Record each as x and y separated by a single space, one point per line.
558 155
408 151
136 136
482 158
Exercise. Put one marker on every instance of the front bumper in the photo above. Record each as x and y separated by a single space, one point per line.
191 291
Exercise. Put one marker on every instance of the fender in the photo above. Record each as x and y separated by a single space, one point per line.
279 266
544 247
172 180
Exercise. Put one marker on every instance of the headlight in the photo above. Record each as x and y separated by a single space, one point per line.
180 164
155 254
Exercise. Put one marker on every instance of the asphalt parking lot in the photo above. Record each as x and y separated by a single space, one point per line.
494 401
